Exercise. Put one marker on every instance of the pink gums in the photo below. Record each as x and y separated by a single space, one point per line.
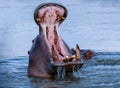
50 19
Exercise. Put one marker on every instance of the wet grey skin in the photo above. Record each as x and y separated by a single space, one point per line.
49 50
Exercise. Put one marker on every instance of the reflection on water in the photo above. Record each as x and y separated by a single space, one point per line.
93 24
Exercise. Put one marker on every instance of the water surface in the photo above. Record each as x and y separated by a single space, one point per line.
93 24
100 72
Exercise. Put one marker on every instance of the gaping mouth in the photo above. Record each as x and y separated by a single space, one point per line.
49 17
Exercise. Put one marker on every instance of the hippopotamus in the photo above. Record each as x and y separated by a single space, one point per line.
49 50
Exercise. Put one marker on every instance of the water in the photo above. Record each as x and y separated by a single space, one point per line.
93 24
60 73
102 71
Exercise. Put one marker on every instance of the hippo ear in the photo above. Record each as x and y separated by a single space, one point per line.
36 12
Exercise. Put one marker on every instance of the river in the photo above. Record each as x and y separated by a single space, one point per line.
93 24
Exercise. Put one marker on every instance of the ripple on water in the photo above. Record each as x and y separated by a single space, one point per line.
93 74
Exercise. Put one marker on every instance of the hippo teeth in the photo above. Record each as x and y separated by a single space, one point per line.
49 18
50 13
54 55
68 58
78 54
55 35
76 57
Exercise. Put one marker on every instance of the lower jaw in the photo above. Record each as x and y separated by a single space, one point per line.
60 68
68 65
59 51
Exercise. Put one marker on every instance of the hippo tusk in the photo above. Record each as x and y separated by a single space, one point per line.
78 54
54 56
63 18
38 19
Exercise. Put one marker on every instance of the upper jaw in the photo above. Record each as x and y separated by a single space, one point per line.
43 13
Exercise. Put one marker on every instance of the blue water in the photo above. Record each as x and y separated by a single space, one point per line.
93 24
103 71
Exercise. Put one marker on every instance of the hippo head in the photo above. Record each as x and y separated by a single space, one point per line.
49 47
48 17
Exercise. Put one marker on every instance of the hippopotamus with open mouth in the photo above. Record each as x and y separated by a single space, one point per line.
49 50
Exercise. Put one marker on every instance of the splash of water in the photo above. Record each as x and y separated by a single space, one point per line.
76 71
63 72
59 69
60 73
